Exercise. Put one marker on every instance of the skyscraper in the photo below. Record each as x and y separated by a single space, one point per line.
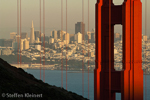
88 35
32 38
13 35
25 44
117 37
92 37
24 35
21 44
37 34
54 34
66 38
144 38
17 38
79 27
78 37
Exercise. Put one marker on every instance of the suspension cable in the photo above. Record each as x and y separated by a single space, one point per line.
88 49
66 44
145 48
44 40
17 38
83 47
20 35
61 34
40 39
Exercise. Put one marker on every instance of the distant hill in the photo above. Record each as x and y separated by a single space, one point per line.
16 82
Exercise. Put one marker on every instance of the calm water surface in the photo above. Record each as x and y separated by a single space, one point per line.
74 82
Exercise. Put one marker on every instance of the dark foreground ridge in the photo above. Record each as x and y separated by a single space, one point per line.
17 84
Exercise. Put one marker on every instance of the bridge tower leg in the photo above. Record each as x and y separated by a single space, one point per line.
129 81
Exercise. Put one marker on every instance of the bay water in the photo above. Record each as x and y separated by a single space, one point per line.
74 82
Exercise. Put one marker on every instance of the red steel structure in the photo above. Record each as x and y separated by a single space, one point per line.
129 81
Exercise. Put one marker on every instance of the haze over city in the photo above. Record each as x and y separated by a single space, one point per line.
30 11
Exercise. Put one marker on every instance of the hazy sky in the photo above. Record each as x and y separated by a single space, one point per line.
30 11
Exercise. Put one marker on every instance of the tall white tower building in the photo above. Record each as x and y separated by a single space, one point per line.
78 37
32 38
66 38
21 44
25 44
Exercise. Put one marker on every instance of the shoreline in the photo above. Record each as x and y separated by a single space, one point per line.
69 71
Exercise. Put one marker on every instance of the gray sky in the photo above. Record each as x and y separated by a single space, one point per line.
30 11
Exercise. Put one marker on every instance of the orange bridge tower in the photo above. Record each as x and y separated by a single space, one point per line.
129 81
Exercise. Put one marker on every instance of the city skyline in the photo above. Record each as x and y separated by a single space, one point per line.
52 18
30 11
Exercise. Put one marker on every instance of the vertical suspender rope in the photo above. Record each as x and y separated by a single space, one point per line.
66 44
61 34
88 49
40 39
20 35
17 38
83 47
44 40
145 48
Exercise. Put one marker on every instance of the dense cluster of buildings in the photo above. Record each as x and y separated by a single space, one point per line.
79 46
57 44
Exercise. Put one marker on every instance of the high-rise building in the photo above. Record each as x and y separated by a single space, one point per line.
60 34
13 35
38 40
93 30
78 37
24 35
92 37
54 34
66 38
37 34
79 27
88 35
51 40
17 38
2 42
25 44
72 36
15 45
21 44
32 37
117 37
38 47
144 38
